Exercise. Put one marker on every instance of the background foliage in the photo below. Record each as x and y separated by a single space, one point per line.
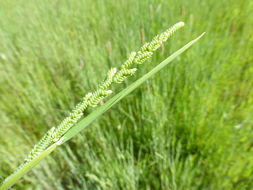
190 127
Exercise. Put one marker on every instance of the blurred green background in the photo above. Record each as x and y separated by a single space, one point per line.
190 127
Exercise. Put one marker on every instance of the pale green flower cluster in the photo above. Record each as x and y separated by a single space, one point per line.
41 145
93 99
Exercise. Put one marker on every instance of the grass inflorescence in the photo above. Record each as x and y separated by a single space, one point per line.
190 127
92 99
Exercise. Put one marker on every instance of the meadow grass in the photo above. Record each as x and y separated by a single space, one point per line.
188 128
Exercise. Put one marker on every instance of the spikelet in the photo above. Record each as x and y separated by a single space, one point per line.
129 61
142 56
154 44
41 145
123 74
148 49
145 47
73 117
109 79
98 96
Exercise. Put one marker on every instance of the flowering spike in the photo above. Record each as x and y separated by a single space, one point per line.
93 99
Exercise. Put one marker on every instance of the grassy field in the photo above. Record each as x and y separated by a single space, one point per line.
190 127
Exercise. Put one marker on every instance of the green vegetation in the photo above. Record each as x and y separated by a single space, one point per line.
188 128
50 140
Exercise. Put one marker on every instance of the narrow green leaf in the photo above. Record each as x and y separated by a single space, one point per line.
11 180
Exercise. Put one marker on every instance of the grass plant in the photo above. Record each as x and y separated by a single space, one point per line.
190 127
56 136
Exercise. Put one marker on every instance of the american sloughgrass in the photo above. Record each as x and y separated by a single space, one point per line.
57 135
114 75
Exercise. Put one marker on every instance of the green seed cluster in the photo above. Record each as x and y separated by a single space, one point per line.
93 99
45 141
